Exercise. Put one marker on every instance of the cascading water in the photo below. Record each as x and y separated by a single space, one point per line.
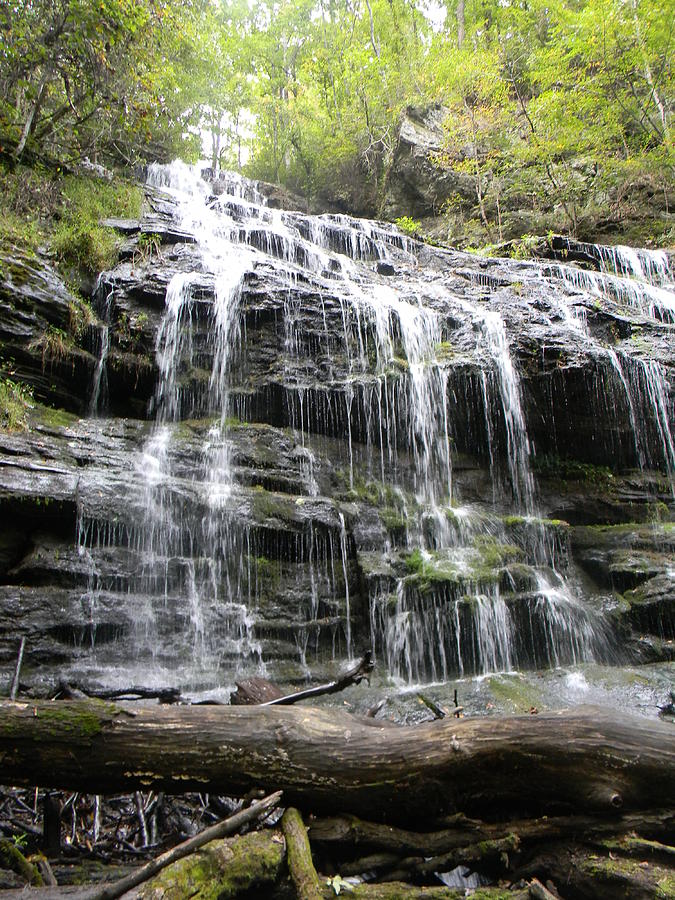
226 562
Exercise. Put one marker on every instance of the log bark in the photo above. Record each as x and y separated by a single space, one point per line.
326 761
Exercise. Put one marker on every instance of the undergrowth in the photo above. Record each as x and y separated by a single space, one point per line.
62 214
15 401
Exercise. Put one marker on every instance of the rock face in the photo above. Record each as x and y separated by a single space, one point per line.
417 185
308 436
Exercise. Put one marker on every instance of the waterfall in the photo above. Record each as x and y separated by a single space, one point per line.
235 546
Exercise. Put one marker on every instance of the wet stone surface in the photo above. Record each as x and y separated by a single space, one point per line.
301 437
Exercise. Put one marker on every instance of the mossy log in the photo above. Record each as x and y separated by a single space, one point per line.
299 856
221 870
12 858
591 875
361 836
326 761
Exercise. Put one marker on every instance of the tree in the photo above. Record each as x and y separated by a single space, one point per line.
81 77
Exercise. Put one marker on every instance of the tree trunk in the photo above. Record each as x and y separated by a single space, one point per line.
326 761
460 23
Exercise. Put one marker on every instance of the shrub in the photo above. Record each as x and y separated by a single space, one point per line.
408 225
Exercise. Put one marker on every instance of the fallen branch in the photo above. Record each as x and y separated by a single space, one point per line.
352 832
67 691
17 671
355 675
221 830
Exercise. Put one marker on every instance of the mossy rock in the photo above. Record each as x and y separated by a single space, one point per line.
49 417
629 877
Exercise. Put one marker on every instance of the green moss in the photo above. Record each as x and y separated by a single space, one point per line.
52 418
15 402
550 466
372 492
514 691
392 519
266 570
445 351
272 506
427 569
13 859
65 212
494 555
221 869
611 868
84 721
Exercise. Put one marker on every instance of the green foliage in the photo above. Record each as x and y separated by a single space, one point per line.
78 239
408 225
15 401
64 213
561 107
80 317
84 246
80 78
27 197
550 466
557 109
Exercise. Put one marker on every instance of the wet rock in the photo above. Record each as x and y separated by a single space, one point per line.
651 608
624 556
275 523
36 316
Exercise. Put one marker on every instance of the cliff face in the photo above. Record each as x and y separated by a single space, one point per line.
289 438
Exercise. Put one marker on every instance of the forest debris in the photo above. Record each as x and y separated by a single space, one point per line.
438 711
253 691
373 836
12 858
68 691
539 892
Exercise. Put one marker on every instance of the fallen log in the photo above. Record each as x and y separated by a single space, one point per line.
326 761
352 832
354 675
